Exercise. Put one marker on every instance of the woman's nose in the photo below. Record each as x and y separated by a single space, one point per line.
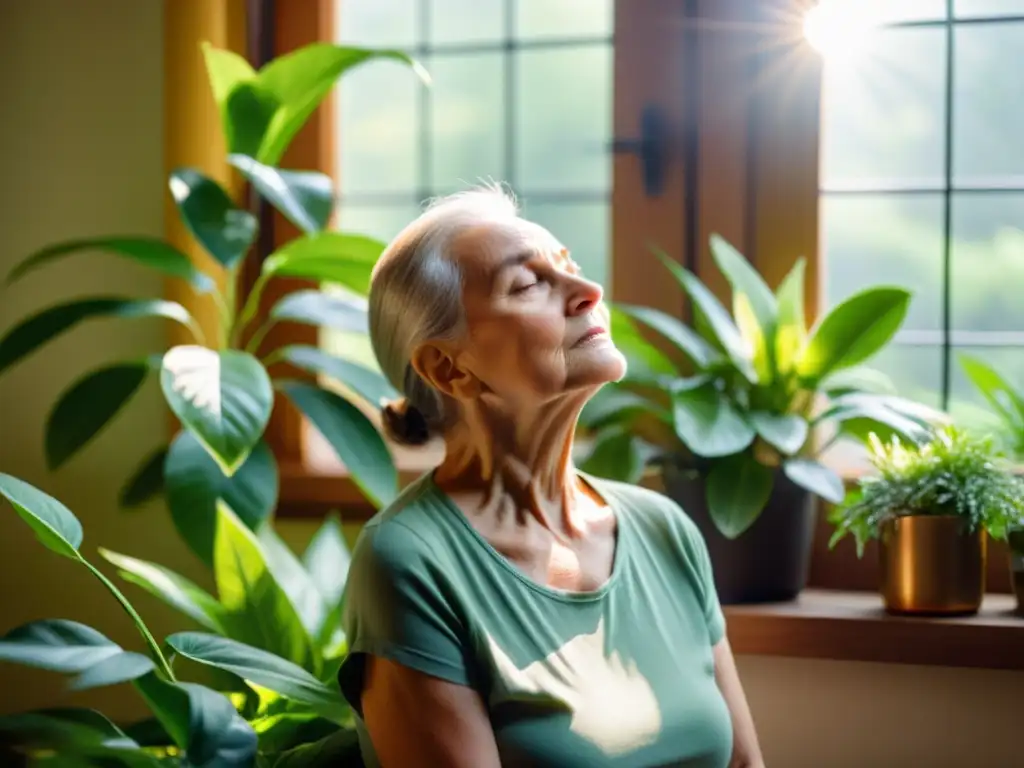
583 296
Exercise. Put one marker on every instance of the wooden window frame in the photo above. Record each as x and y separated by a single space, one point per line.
755 180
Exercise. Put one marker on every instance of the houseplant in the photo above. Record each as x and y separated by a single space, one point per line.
1007 403
223 389
931 506
737 412
276 703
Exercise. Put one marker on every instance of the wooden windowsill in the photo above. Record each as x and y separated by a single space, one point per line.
851 626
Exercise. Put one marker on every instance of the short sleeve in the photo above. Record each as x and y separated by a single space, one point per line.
697 553
398 606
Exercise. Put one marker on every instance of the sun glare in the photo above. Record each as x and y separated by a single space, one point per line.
838 29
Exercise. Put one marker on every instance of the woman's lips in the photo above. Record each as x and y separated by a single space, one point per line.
594 333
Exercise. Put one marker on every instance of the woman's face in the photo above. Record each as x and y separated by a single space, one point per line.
536 328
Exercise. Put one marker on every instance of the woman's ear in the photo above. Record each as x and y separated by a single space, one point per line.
436 364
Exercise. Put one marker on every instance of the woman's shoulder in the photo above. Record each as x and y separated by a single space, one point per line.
653 513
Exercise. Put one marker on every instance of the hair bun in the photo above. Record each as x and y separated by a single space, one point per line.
404 423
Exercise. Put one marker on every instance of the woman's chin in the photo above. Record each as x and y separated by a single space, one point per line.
600 366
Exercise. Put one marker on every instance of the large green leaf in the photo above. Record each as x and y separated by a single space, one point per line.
684 339
327 310
1005 399
225 231
58 645
225 69
218 737
745 279
911 421
87 406
858 379
717 317
148 251
327 559
42 327
791 327
62 729
121 668
306 198
370 385
786 432
248 113
853 331
738 488
195 482
617 455
757 338
257 609
816 478
260 667
612 404
338 748
224 398
147 482
54 524
708 423
353 437
294 580
328 257
645 361
173 589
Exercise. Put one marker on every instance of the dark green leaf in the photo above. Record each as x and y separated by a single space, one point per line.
294 580
44 326
306 198
645 361
328 257
195 482
147 482
708 423
281 732
738 488
353 437
225 231
816 478
371 386
327 560
612 404
175 590
119 668
224 398
745 279
218 737
54 525
87 406
853 331
148 251
684 339
791 329
62 729
57 645
249 111
314 307
616 455
787 432
337 749
260 667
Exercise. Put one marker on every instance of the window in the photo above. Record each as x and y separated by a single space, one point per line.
923 184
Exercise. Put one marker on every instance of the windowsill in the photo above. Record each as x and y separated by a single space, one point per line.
851 626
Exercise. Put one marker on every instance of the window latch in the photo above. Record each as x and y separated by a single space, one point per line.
651 148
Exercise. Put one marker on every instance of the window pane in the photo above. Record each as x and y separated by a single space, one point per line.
378 123
966 403
380 221
466 21
377 22
883 112
989 105
968 8
583 228
916 371
894 239
563 109
988 262
564 18
467 120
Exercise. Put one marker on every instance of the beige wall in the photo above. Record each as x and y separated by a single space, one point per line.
80 154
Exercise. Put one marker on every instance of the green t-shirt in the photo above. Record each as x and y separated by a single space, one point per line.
622 676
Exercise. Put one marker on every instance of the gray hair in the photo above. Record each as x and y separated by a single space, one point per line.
416 296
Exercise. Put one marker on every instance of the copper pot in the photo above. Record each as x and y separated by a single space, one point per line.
1015 539
932 565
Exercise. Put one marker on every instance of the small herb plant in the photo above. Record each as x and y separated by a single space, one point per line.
956 473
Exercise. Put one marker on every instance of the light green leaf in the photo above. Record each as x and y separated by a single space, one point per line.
685 340
370 385
645 361
260 667
745 279
173 589
858 379
294 580
1006 400
87 406
791 327
195 483
146 483
42 327
224 398
119 668
225 70
225 231
328 257
257 610
853 331
327 560
708 423
738 489
353 437
57 645
54 524
787 432
149 251
758 339
306 198
816 478
315 307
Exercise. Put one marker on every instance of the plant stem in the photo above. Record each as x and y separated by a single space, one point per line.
257 338
252 303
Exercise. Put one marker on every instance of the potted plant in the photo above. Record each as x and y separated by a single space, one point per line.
223 389
737 412
1007 403
269 643
930 506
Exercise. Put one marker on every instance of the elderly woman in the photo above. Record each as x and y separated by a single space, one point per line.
508 610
